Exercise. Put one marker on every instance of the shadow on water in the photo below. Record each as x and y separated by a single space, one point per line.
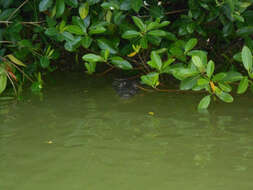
83 136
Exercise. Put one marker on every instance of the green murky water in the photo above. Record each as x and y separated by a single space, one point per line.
83 137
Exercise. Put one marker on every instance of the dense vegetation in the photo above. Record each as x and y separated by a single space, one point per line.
206 45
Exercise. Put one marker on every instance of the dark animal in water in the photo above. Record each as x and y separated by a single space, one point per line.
125 88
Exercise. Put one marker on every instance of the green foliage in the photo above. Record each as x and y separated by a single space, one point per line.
189 40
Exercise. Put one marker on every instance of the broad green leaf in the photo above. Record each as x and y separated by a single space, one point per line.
243 86
182 73
121 63
238 57
151 79
45 4
225 87
97 30
219 76
232 76
136 5
91 67
84 10
105 44
159 33
138 22
201 54
247 58
188 83
210 69
110 5
60 7
190 44
224 96
86 41
144 42
74 29
156 59
3 82
52 31
15 60
71 45
130 34
90 57
204 102
202 81
198 63
72 3
247 30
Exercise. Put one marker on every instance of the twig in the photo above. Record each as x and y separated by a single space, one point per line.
176 11
17 9
106 71
143 63
13 85
7 42
28 23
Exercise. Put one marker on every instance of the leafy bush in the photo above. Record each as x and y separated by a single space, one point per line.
205 45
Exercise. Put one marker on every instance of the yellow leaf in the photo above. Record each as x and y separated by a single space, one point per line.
132 54
49 142
15 60
151 113
212 86
84 10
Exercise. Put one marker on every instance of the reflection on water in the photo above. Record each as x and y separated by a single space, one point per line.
82 136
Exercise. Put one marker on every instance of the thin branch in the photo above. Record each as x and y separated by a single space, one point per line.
176 11
24 22
16 10
13 85
7 42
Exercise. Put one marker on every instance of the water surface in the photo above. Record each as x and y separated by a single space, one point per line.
80 135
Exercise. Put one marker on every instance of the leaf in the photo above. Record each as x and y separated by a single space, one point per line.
219 76
84 10
130 34
224 96
204 102
190 44
60 7
151 79
188 83
247 30
156 59
210 69
202 81
3 82
105 44
232 76
91 67
160 33
44 62
15 60
121 63
136 5
45 4
72 3
201 54
182 73
247 58
138 22
97 30
198 63
225 87
90 57
74 29
243 86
